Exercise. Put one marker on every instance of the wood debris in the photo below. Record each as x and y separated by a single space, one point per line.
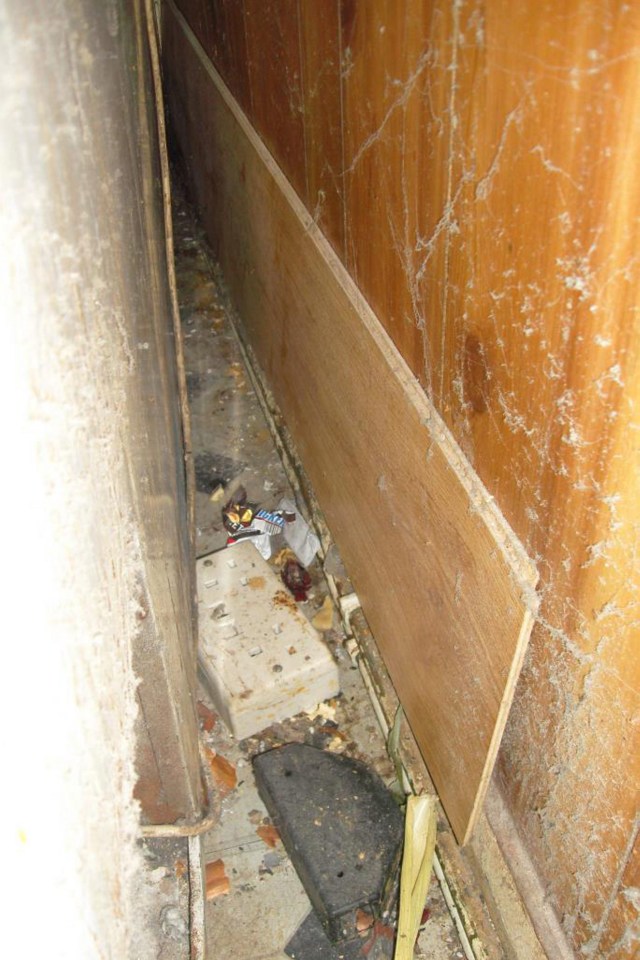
216 880
269 834
331 731
208 718
326 710
223 772
323 619
217 494
283 556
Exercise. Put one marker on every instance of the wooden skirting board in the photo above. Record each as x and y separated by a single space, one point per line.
445 585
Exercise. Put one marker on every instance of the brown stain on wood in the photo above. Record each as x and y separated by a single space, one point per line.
476 374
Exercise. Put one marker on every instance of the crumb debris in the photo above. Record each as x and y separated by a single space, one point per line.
323 619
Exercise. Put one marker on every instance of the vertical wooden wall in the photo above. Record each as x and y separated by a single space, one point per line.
475 165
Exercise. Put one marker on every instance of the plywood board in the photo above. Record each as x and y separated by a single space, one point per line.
444 583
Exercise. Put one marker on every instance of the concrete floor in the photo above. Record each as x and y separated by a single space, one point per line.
266 901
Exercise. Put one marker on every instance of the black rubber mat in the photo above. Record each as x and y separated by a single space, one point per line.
310 942
340 826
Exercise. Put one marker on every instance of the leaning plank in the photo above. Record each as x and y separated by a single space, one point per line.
445 585
417 862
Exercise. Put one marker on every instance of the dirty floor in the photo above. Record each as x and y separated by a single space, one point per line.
257 901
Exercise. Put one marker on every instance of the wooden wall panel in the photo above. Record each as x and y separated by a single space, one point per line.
539 383
622 928
219 25
201 17
275 68
229 49
324 152
491 214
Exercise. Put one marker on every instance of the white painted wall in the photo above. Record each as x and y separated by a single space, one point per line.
77 459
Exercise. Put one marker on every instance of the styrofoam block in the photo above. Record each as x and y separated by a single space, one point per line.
262 659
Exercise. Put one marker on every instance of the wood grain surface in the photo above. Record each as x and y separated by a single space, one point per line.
491 210
322 95
273 56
